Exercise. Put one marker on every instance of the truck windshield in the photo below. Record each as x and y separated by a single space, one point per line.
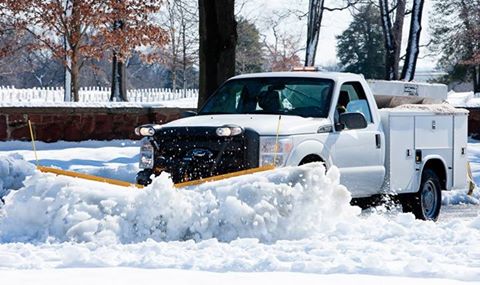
306 97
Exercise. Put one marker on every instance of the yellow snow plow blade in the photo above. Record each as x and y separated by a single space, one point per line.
224 176
87 176
128 184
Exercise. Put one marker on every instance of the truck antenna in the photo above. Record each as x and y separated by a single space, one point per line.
33 140
276 141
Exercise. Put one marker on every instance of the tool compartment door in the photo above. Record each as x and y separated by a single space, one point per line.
402 154
460 151
434 138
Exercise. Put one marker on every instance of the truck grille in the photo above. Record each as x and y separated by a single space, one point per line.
190 153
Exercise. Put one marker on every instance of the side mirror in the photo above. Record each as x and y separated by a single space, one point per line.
352 121
188 114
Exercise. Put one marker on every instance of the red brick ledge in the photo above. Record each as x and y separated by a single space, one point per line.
80 123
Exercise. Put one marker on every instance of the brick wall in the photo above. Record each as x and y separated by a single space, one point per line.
76 124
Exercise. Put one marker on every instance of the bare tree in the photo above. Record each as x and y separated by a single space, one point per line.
413 47
392 36
86 28
181 20
188 36
315 15
281 53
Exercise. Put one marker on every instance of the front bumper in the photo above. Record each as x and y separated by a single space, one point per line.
191 153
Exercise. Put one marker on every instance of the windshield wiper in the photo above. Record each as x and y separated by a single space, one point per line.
302 94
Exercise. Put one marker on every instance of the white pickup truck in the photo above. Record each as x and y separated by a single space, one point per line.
413 151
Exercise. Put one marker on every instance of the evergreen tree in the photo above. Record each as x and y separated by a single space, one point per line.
456 37
249 56
360 47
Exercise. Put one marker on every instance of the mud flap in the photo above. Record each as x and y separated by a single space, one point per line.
471 183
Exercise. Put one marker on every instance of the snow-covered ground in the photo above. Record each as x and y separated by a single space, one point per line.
247 230
177 103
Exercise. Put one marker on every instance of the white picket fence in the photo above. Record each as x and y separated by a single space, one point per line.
92 94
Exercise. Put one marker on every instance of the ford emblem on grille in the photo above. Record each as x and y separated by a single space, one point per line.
199 153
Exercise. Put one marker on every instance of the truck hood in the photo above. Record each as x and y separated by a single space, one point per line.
263 124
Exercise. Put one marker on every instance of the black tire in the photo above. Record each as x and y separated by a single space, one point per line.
426 203
143 177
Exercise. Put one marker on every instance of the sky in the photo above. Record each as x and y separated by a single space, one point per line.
333 24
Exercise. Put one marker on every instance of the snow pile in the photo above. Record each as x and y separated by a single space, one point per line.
463 99
459 197
13 171
288 203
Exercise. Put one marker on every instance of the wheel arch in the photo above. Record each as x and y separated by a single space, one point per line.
311 149
311 158
438 165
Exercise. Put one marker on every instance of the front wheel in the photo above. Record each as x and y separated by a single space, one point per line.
143 177
425 204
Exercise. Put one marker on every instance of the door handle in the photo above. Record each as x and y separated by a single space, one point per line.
378 140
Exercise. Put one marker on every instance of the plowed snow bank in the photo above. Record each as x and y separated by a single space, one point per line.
288 203
13 170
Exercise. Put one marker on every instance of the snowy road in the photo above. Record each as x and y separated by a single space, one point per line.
450 212
55 226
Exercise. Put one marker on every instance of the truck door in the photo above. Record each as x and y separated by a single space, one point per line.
359 154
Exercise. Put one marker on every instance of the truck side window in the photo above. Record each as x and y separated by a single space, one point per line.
352 98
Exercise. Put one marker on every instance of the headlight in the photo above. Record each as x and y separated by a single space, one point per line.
147 130
272 153
227 131
146 155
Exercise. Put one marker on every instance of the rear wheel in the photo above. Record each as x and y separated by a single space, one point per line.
425 204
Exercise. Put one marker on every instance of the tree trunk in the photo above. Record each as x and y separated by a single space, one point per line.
67 97
118 90
413 47
75 73
218 38
172 16
315 14
390 49
476 78
174 60
67 83
75 57
397 35
184 57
